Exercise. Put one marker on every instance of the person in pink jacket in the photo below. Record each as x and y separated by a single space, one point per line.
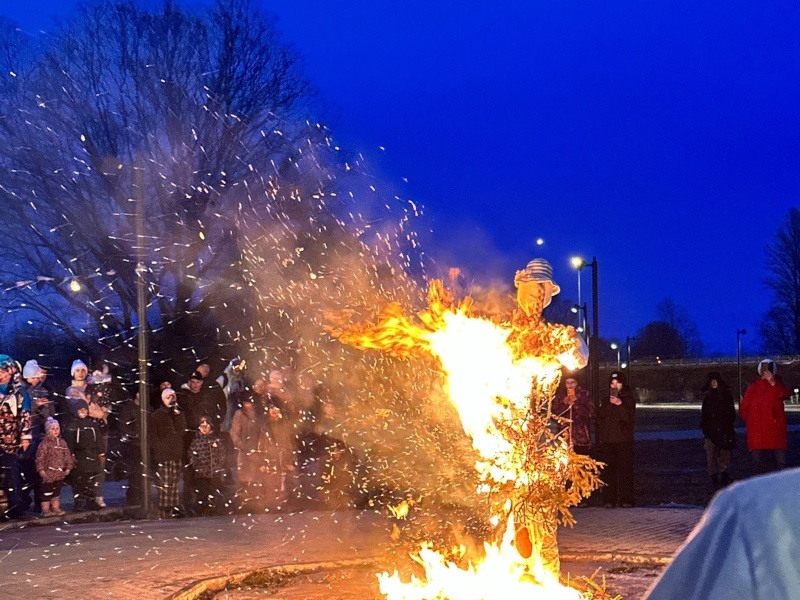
763 413
54 461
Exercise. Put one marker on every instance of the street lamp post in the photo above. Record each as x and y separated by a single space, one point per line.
739 334
615 346
583 319
141 293
628 341
594 339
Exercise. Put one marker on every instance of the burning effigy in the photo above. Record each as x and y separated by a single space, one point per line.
501 376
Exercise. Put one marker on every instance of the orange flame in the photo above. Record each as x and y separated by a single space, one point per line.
500 377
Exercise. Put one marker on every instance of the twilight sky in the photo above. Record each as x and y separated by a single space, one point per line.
662 137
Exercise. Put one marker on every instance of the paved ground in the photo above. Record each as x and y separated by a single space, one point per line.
138 559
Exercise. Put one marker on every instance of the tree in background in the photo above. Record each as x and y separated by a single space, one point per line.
659 338
203 116
678 318
780 326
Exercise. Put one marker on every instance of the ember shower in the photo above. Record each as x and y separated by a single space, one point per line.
258 225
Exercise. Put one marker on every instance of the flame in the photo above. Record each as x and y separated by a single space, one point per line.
501 573
501 378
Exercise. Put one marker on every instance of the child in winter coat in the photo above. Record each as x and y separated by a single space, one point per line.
207 458
54 461
86 443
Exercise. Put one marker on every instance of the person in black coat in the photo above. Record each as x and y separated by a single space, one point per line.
717 419
87 445
167 427
615 420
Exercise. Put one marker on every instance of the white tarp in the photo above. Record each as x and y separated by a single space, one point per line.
747 545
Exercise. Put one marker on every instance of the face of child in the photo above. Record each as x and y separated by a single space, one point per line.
55 430
205 427
83 413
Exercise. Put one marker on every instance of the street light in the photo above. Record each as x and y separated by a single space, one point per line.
594 340
583 319
739 334
628 341
615 346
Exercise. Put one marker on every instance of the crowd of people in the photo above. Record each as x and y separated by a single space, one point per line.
215 445
227 444
612 419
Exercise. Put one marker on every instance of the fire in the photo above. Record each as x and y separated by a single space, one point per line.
501 573
501 378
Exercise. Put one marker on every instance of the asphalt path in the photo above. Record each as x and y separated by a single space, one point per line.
156 559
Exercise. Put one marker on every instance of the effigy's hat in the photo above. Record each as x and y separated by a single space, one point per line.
540 271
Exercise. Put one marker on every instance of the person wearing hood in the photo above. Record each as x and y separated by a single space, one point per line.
717 418
763 413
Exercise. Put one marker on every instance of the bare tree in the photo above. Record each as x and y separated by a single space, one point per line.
780 326
198 103
678 317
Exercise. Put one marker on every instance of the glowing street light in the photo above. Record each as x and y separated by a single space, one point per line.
594 341
615 346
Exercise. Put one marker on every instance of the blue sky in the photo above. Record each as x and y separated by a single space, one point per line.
661 137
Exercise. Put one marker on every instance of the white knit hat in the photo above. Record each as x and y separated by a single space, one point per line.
768 364
78 364
32 370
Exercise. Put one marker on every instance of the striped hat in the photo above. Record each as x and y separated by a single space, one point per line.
538 270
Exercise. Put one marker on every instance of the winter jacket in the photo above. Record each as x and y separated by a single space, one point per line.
206 455
87 444
763 413
54 458
578 417
15 420
167 427
718 416
615 423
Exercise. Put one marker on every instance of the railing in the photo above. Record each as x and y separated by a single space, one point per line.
698 362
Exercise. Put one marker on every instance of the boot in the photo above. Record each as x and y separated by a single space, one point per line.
100 502
46 509
55 505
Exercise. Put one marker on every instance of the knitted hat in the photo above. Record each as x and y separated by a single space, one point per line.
76 404
32 370
538 270
769 365
6 362
78 364
50 423
167 392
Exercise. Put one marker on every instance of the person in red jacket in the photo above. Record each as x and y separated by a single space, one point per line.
763 413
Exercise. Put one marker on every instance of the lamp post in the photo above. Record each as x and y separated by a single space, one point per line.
628 341
583 319
739 334
615 346
141 309
594 339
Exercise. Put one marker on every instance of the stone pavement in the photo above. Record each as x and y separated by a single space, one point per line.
140 559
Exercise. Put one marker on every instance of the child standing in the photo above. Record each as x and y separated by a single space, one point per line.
207 458
54 461
86 443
